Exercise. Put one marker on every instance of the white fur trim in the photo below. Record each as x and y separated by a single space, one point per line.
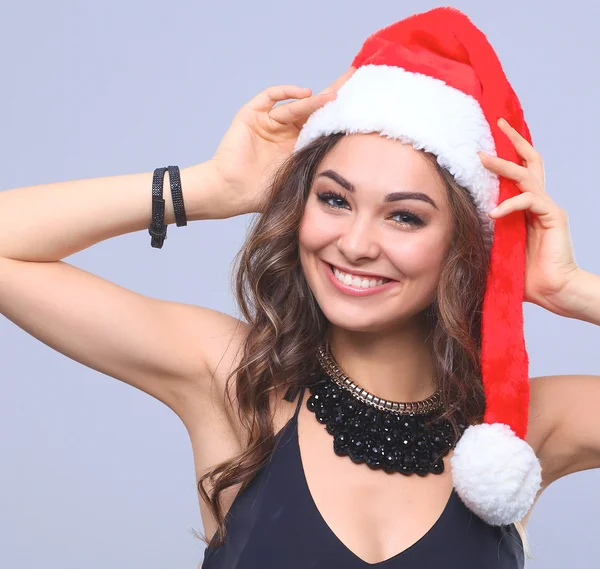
496 474
419 110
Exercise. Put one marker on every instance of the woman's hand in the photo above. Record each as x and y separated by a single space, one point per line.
261 137
550 264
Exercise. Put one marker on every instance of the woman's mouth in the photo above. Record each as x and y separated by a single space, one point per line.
356 285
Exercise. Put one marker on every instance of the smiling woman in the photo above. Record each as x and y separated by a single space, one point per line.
430 306
372 406
441 337
365 231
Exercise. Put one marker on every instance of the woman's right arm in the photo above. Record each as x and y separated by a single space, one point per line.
49 222
160 347
166 349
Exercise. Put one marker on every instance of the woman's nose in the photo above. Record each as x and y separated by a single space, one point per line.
359 240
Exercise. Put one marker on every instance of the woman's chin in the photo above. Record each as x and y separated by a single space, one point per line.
372 320
358 322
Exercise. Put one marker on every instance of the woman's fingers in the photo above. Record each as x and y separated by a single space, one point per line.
297 112
505 168
265 100
522 146
545 209
533 163
525 177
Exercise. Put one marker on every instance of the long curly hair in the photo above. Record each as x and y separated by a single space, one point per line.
286 324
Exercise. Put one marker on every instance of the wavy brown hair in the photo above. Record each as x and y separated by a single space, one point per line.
287 324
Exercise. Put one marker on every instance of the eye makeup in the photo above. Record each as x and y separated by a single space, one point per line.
413 219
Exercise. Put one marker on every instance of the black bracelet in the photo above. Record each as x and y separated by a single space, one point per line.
178 206
157 227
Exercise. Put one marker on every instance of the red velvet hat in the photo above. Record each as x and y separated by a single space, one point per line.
434 81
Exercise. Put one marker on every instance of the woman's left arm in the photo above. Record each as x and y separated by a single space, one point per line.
581 298
564 409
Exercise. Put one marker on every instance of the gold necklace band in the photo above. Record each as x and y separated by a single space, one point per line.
331 368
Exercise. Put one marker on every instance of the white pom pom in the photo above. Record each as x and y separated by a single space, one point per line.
496 474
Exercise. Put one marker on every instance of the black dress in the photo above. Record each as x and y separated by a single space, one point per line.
274 524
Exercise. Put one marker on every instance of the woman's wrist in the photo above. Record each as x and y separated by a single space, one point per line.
583 298
206 194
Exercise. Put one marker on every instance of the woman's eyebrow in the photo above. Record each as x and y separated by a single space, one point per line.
392 197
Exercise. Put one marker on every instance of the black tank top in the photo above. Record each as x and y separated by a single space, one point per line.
274 524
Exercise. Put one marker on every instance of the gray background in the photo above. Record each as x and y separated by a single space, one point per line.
97 474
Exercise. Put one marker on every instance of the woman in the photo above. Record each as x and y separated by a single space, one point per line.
342 266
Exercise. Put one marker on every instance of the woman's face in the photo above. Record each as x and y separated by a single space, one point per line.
357 220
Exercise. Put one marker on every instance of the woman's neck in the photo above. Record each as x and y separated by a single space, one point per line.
396 365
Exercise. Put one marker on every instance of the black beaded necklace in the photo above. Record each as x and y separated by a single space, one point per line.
395 437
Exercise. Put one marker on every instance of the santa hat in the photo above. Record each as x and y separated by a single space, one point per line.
434 81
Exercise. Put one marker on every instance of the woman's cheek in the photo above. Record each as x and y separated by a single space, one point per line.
315 229
415 257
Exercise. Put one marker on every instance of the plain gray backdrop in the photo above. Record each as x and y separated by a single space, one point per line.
97 474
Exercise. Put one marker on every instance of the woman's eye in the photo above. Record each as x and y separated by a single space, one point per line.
412 218
327 197
337 201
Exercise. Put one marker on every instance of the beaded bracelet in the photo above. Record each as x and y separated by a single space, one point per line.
178 205
157 227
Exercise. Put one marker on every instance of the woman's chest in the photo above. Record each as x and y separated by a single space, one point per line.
373 514
310 508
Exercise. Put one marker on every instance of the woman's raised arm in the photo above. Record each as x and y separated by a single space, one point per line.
163 348
152 344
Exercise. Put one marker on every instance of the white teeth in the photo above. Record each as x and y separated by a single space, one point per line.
357 282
